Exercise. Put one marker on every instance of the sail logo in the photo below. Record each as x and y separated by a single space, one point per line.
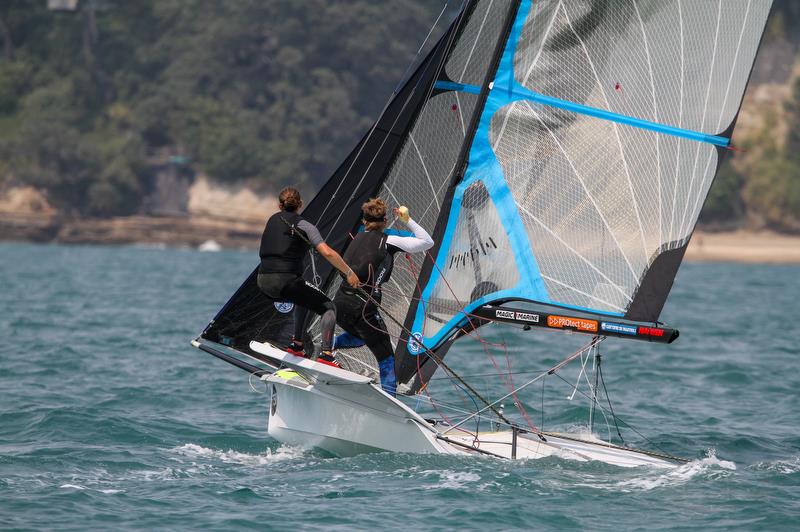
473 254
651 331
415 343
284 307
619 328
564 322
507 314
527 316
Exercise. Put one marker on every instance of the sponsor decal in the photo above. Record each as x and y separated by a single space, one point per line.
651 331
527 316
508 314
284 307
564 322
273 407
619 328
415 343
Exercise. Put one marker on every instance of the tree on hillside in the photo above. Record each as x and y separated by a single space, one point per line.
268 93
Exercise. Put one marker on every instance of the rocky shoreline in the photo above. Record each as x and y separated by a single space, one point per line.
195 231
174 231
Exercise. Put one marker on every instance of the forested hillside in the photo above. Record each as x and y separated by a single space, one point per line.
248 91
264 93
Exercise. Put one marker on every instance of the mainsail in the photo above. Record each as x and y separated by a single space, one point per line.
559 151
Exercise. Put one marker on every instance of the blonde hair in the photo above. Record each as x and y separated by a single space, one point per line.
289 199
374 212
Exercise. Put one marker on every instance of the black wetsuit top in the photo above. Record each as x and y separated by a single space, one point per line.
284 243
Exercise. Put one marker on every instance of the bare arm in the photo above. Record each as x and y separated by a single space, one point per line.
337 262
315 238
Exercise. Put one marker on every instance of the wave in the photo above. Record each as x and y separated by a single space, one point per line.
783 467
709 467
282 453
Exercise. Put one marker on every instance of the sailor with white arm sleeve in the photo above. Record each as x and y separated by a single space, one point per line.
371 256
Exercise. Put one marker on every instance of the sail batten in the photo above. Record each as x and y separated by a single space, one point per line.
601 133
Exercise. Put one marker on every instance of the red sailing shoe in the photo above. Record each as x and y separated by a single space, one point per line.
327 358
295 349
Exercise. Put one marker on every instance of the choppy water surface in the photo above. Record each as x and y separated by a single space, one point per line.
108 418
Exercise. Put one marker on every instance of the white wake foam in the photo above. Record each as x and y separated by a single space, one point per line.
450 479
783 467
282 453
709 467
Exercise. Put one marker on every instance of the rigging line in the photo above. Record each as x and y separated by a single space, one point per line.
473 330
627 425
616 132
578 380
542 423
397 118
608 399
595 340
376 303
594 203
436 358
684 225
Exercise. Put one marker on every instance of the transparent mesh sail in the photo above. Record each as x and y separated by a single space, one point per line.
424 166
597 197
595 213
683 63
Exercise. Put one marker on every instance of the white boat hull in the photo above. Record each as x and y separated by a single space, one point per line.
317 406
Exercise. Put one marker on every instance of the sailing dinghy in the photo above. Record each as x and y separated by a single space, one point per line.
559 152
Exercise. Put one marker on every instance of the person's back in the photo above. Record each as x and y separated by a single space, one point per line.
286 239
282 247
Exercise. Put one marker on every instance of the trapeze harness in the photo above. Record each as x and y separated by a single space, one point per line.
284 244
371 256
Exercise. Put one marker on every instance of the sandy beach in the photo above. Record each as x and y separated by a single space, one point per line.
761 247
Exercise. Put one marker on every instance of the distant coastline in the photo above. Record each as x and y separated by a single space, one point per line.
742 246
756 247
171 231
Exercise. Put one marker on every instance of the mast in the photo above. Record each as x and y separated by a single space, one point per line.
600 131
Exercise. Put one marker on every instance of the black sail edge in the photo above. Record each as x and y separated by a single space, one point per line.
654 288
335 210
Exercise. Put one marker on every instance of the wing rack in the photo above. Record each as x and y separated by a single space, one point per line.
594 325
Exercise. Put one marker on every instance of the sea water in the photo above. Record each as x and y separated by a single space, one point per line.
109 419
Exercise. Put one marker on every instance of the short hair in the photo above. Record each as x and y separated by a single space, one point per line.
374 212
289 199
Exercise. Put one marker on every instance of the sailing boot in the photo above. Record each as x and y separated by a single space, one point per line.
326 357
295 349
388 379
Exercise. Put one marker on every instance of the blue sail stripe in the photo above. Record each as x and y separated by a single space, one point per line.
460 87
517 93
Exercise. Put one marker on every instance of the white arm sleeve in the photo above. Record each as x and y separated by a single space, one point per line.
421 241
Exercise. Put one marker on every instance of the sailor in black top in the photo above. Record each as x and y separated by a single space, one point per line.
371 255
286 239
